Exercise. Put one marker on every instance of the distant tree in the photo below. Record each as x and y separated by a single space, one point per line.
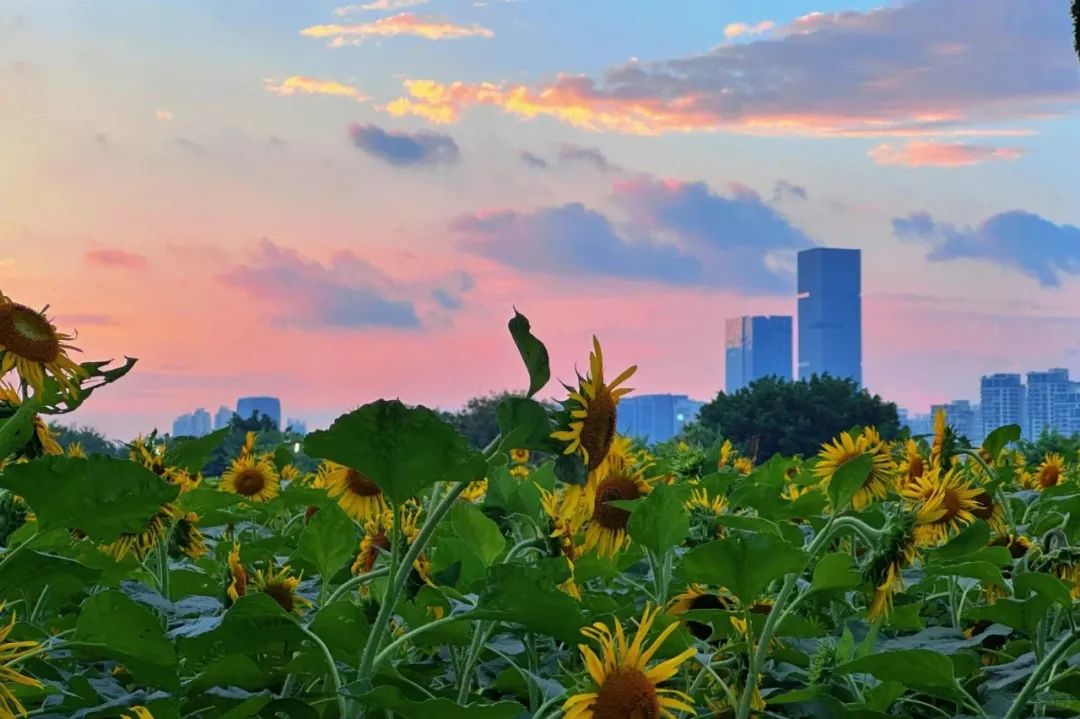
93 441
1076 25
779 417
477 419
1050 442
257 422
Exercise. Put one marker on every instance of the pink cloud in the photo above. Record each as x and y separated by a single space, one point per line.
739 29
299 85
401 24
941 154
116 258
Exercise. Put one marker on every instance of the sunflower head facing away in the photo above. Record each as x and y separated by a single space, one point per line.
187 539
376 541
356 493
141 543
624 686
897 551
32 346
238 577
253 478
845 448
281 586
1050 472
10 653
593 413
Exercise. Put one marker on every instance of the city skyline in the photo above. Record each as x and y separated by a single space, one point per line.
337 218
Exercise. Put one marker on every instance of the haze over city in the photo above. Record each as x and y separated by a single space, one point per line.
330 203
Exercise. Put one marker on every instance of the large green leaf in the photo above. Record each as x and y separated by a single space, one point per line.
985 572
16 431
252 623
30 573
999 438
329 541
529 596
102 496
835 571
848 479
193 454
113 626
533 352
660 522
390 698
919 669
477 531
743 563
344 628
1044 585
402 449
525 424
971 539
95 375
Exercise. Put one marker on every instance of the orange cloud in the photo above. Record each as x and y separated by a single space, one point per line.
377 5
311 86
738 29
164 115
941 154
116 258
401 24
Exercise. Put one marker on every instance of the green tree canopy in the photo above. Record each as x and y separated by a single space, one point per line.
1051 442
779 417
93 441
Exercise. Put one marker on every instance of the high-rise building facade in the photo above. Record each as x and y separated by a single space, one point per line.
1050 396
656 417
1002 397
270 407
222 417
182 426
964 417
200 423
756 347
830 313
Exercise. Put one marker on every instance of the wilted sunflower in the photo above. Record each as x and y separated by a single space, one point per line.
897 551
943 503
44 441
31 345
912 467
238 577
281 587
519 456
1050 472
10 653
698 596
475 492
607 527
569 586
1063 563
375 542
562 523
186 537
356 493
845 448
254 478
141 543
625 686
593 414
152 456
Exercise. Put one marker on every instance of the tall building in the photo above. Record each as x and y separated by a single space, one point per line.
756 347
222 417
1050 396
183 426
964 417
200 422
270 407
296 425
917 424
656 417
830 313
1002 398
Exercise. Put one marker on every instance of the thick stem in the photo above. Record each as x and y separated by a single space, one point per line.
1020 703
410 635
331 664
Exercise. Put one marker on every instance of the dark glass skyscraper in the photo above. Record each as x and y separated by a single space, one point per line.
830 313
756 347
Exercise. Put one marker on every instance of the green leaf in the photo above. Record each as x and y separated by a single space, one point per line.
391 699
835 571
970 540
996 440
744 564
748 523
660 522
402 449
344 628
533 352
114 626
478 532
234 670
848 479
1023 615
252 623
1051 588
95 376
530 596
985 572
524 424
919 669
30 573
329 541
16 431
193 454
571 469
102 496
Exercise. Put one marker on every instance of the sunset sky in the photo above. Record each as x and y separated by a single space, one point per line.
333 203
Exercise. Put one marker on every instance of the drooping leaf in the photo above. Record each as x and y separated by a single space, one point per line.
848 479
113 626
402 449
101 496
970 540
1051 588
193 454
329 541
529 596
478 532
660 522
744 564
95 376
533 352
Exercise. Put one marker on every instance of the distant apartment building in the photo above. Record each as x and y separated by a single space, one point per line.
1051 400
830 313
1003 401
964 418
183 426
222 417
200 423
656 417
754 348
916 424
270 407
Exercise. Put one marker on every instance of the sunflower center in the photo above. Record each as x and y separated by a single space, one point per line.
598 427
1048 477
27 333
915 468
280 594
613 488
705 601
626 694
250 482
359 483
951 503
985 508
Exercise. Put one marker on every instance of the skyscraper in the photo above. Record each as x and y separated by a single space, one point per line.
222 417
756 347
1002 399
656 417
830 313
200 422
182 426
270 407
1049 399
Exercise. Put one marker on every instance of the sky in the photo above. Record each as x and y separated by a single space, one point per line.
335 203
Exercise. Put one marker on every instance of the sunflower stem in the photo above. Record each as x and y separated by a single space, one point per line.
355 582
390 648
12 552
331 664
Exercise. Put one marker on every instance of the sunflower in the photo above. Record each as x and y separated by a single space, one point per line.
10 654
152 456
913 465
281 587
519 472
248 448
593 417
846 448
727 451
625 686
31 345
1050 472
991 512
139 712
75 449
44 440
139 544
701 501
943 436
519 456
1017 544
898 550
607 527
254 478
562 524
944 503
744 465
290 472
475 492
375 542
186 537
357 494
698 596
569 586
238 575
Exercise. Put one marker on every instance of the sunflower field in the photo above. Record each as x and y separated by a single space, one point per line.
385 569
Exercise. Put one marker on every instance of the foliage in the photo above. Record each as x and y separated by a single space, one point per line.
795 418
1050 442
91 440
